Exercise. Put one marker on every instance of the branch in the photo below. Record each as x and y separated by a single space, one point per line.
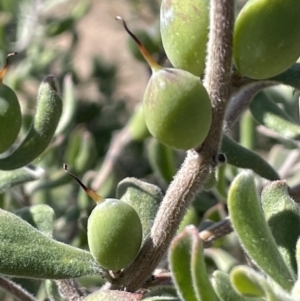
16 290
241 100
70 290
199 162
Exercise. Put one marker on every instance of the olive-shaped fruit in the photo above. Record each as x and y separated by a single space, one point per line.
176 105
184 31
10 114
114 231
266 38
114 234
177 108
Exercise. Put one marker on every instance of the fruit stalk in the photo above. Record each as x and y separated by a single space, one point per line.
197 165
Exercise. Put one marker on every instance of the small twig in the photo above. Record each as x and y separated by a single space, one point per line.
294 192
119 142
198 163
289 162
215 232
241 100
70 290
16 290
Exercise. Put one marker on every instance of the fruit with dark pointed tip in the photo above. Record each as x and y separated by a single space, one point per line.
176 105
114 230
266 38
114 234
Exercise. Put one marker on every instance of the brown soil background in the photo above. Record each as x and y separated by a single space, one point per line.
101 35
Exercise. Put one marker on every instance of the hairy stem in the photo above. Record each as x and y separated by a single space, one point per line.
241 100
199 162
70 290
16 290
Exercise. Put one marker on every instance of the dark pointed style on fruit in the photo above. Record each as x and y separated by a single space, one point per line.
4 68
176 106
151 62
92 194
114 230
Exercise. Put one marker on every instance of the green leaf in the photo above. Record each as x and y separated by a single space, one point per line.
188 267
26 252
248 221
268 113
137 126
143 197
290 77
250 283
283 217
113 296
19 176
69 107
190 218
296 288
39 216
40 134
224 289
161 159
52 291
244 158
201 282
222 259
247 282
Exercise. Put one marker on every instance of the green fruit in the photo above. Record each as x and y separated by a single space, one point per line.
184 31
266 37
10 112
177 108
114 234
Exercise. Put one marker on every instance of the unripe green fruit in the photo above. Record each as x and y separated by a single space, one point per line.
184 31
177 108
114 234
10 117
266 37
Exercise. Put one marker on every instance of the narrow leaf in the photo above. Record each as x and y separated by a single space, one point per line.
188 267
250 283
161 159
39 216
201 282
268 113
143 197
26 252
180 263
224 289
19 176
283 218
248 221
290 77
244 158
